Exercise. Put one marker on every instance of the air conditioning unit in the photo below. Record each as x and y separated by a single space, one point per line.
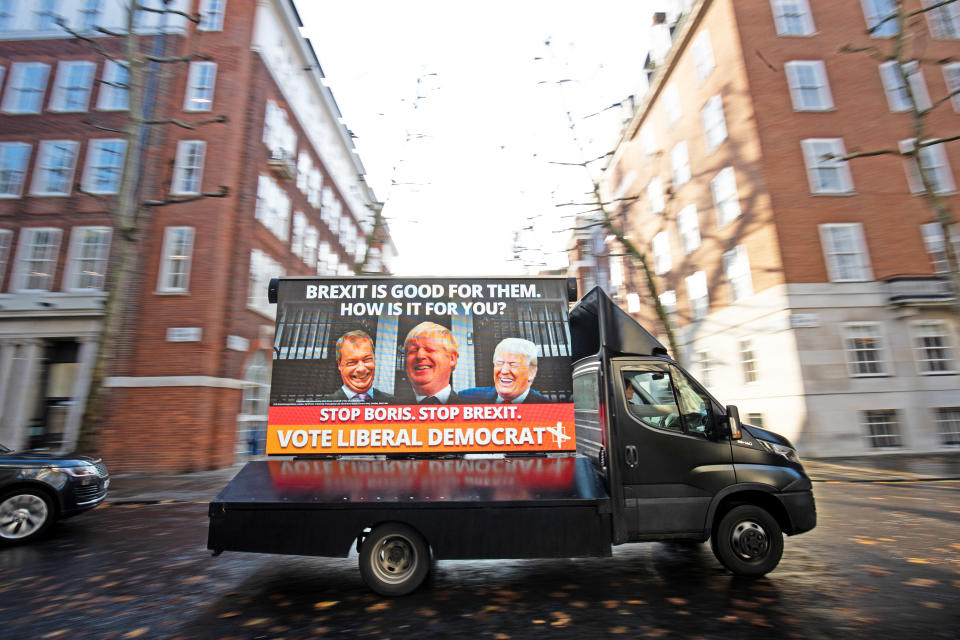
282 164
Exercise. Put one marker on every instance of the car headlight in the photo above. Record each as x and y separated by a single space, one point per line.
82 471
781 449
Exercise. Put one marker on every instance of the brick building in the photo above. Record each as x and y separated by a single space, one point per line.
188 390
806 290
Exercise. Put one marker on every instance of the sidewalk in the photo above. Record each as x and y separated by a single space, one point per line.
203 486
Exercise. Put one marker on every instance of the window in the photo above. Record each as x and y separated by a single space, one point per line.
689 225
703 59
327 260
71 90
827 174
104 165
25 88
748 361
792 17
881 427
53 175
932 347
696 409
933 162
273 207
725 198
650 399
37 256
944 21
668 299
310 243
6 240
879 15
304 167
845 252
252 421
45 14
671 102
736 268
933 241
756 419
714 125
892 77
863 345
661 253
586 392
177 255
697 295
951 75
211 15
188 170
299 229
809 88
88 257
90 14
114 87
648 140
655 196
200 82
278 135
705 364
263 268
13 168
948 425
7 16
314 187
680 165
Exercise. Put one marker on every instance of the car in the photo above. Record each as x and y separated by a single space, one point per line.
37 489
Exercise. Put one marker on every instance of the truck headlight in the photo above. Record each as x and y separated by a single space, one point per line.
83 471
781 449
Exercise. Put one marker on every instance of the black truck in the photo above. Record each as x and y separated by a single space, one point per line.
657 458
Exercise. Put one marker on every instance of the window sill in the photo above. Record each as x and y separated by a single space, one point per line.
833 194
813 110
939 373
20 113
171 293
871 375
9 196
67 110
49 195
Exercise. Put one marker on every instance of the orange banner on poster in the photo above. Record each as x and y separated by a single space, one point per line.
385 429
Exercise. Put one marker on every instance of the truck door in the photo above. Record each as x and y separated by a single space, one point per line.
672 459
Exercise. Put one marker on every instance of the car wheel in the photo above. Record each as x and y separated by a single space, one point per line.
25 514
748 541
394 559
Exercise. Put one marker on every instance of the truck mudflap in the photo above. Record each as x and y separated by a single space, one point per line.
481 508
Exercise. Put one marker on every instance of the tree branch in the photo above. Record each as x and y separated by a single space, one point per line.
109 32
168 60
222 193
103 128
192 18
79 36
186 125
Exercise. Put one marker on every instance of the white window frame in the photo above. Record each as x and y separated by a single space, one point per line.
188 168
891 436
661 253
894 87
45 14
801 89
807 27
671 103
62 89
726 197
813 152
688 225
705 364
76 259
648 141
851 332
273 207
263 268
933 159
90 13
7 16
679 165
655 195
714 124
25 248
95 150
749 362
944 21
736 269
304 166
199 97
862 270
920 330
39 183
111 97
6 244
299 229
311 240
4 146
698 295
947 420
933 241
668 300
873 14
13 98
170 263
215 8
703 58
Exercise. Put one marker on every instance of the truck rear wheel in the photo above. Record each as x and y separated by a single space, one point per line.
748 541
394 559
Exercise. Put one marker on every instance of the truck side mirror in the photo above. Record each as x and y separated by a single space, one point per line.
572 293
733 419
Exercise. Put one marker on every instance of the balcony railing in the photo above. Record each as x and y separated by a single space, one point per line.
919 290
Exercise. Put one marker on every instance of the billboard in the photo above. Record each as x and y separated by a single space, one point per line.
421 365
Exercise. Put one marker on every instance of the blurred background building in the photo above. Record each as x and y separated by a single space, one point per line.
188 390
809 291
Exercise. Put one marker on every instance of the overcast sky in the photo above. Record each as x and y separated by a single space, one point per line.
458 114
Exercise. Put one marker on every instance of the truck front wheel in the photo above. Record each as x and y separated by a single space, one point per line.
394 559
748 541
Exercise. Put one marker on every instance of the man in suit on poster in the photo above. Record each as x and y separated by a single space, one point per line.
514 368
430 355
356 363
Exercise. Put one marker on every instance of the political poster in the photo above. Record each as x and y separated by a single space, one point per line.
370 365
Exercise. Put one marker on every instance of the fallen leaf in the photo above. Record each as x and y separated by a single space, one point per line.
256 622
229 614
136 633
539 621
677 601
56 634
427 611
933 605
917 561
617 630
379 606
501 636
326 604
920 582
636 602
580 604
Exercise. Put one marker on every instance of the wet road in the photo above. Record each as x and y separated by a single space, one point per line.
884 561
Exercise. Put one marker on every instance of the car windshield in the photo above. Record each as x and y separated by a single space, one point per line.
3 449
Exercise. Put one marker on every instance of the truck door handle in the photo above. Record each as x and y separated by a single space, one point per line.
631 455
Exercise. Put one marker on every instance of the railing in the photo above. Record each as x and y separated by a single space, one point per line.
919 290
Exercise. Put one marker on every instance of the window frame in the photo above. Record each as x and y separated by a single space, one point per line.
704 61
814 165
871 18
662 260
713 120
695 282
749 366
680 172
40 170
951 77
671 103
688 227
949 346
727 179
178 185
807 29
829 250
848 333
891 74
6 246
951 437
109 94
167 260
913 164
22 273
204 11
741 284
60 94
13 91
23 171
196 93
936 24
824 100
896 435
655 186
72 272
95 146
